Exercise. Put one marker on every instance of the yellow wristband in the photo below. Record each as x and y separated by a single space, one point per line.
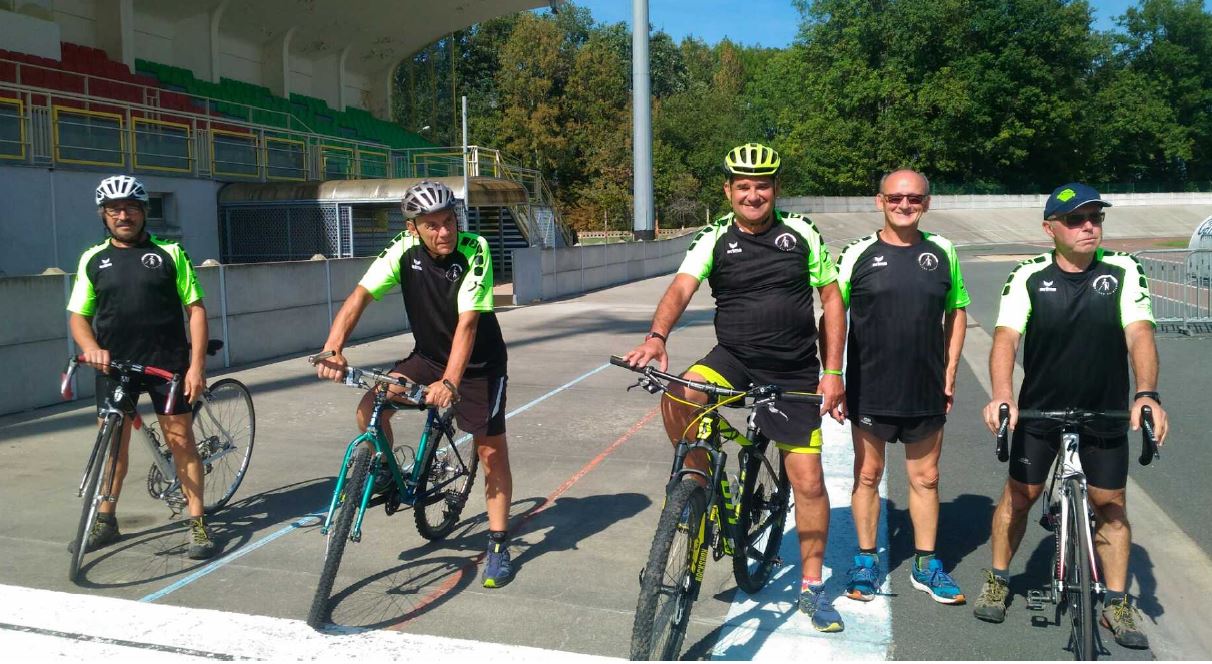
833 372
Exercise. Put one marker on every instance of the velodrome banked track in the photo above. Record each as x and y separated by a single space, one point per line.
590 461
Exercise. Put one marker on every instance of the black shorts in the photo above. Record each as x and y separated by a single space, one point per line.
899 429
1104 458
156 388
793 426
481 407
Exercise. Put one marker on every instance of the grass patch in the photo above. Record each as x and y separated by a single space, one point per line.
1171 244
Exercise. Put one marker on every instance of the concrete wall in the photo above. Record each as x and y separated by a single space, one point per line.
842 204
272 309
546 274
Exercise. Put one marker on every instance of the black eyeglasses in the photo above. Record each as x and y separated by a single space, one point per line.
914 199
1079 219
112 211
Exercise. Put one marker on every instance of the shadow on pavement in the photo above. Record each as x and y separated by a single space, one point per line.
963 527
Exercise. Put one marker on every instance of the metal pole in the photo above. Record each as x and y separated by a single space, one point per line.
466 169
641 114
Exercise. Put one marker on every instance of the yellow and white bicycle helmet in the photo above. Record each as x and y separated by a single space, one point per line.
752 159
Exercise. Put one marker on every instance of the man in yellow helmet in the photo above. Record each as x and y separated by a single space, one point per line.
762 265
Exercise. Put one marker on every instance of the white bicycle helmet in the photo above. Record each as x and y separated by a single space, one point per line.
425 197
120 187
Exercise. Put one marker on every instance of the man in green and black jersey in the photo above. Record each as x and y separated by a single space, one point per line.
446 278
762 265
1084 312
907 320
127 304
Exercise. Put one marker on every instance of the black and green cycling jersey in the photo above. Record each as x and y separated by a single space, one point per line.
436 291
762 286
898 297
134 296
1075 354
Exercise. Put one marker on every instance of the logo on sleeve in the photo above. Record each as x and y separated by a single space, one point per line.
416 265
152 261
927 261
879 262
786 241
733 248
1048 287
1106 285
105 262
454 272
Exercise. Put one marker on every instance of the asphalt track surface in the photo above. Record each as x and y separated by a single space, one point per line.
590 461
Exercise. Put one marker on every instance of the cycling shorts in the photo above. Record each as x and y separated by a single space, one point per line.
156 389
906 430
480 410
1104 458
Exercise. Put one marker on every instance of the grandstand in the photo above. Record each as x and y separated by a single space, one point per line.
193 97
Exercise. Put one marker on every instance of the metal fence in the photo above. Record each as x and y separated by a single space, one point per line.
1180 283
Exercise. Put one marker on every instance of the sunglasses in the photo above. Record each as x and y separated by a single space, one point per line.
1079 219
914 199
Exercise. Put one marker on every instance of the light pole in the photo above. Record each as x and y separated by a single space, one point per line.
641 119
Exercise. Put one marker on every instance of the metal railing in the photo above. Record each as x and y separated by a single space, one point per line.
1180 285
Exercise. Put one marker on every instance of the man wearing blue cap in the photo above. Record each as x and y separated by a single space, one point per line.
1084 312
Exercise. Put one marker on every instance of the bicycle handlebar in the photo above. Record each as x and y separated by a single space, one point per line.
756 391
123 366
368 378
1075 416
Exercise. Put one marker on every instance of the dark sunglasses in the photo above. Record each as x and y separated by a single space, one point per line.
914 199
1079 219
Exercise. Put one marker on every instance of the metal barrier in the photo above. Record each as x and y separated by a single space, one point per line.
1180 283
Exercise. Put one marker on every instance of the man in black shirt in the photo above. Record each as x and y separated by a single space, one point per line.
127 304
907 318
445 277
1084 312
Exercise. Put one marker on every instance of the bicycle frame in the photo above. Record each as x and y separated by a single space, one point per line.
1068 466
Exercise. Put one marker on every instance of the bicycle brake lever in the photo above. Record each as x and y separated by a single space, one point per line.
648 384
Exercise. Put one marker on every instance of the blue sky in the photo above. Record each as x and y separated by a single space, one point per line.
762 22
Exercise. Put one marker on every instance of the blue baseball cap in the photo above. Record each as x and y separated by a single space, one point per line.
1068 197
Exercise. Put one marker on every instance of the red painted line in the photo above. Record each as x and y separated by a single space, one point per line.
473 563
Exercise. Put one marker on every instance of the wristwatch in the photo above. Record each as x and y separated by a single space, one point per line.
1148 393
657 335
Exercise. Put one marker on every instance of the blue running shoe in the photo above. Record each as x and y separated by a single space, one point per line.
819 609
933 580
498 570
864 578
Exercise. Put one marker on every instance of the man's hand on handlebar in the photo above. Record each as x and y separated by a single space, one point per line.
652 349
97 358
332 367
833 397
991 414
1161 422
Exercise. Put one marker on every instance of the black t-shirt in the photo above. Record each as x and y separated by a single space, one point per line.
436 291
1075 354
897 298
134 296
762 286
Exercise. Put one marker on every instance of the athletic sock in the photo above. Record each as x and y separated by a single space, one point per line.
921 559
1003 574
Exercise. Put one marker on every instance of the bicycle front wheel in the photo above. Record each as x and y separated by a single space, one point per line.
108 438
765 492
668 583
1079 597
447 474
338 535
224 429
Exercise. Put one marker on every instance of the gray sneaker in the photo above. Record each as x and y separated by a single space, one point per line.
1122 619
990 606
201 546
103 533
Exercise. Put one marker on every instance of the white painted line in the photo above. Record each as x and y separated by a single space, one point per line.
53 625
769 627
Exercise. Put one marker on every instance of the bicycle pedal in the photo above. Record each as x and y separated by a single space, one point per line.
1036 599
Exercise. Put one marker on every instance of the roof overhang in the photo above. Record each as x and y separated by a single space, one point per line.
485 191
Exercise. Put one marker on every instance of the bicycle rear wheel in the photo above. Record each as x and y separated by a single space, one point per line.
765 491
108 437
668 584
225 426
338 535
1079 597
447 474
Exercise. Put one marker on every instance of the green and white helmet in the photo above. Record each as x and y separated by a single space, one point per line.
752 159
427 196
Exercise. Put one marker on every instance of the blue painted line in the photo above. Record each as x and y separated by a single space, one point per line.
319 513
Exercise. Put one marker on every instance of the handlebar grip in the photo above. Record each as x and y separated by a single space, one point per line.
801 397
174 388
620 362
1003 433
1148 434
321 356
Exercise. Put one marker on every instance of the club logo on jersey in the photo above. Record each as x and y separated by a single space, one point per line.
927 261
865 420
152 261
1106 285
879 262
786 241
1048 287
454 272
416 264
105 262
733 248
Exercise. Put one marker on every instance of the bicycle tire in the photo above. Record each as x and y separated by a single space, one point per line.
440 494
668 584
92 492
1079 597
765 493
338 536
227 425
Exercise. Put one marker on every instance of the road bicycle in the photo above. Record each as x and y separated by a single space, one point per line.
741 516
224 426
435 481
1076 583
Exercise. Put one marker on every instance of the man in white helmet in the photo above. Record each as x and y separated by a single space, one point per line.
446 279
127 304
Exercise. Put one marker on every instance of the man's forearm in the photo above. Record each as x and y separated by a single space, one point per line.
82 332
954 330
833 328
1142 348
1001 363
199 332
673 303
347 318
